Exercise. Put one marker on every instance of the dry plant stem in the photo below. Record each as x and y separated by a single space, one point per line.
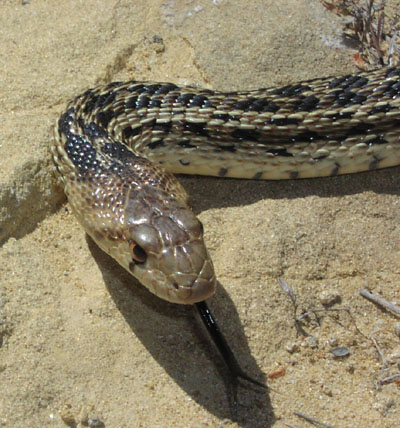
372 28
378 348
315 311
312 420
389 379
288 290
380 301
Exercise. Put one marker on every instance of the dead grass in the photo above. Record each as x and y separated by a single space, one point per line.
374 29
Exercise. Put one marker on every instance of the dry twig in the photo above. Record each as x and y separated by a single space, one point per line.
380 301
312 420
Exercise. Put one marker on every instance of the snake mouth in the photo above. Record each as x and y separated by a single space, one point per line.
200 290
190 288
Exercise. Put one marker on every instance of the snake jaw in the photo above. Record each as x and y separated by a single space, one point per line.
204 286
178 287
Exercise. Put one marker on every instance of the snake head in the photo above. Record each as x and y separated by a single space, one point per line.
166 250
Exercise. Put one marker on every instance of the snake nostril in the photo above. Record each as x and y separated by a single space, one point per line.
175 285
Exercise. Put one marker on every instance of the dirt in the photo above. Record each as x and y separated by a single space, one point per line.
82 343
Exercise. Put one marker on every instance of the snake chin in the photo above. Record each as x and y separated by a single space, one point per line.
179 287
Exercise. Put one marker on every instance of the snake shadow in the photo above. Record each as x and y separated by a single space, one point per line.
212 192
176 339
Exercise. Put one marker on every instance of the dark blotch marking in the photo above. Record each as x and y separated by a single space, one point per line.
280 152
130 132
377 141
143 101
246 134
228 148
152 89
290 90
335 170
164 89
393 72
98 101
185 98
244 104
114 85
154 103
317 158
305 137
339 115
392 89
186 144
117 151
348 98
65 121
308 103
358 82
374 163
257 175
284 121
104 117
184 162
81 152
294 174
198 101
381 109
137 88
260 105
349 81
263 105
358 99
93 131
335 83
222 172
361 128
196 128
163 126
155 144
105 100
131 102
207 103
221 116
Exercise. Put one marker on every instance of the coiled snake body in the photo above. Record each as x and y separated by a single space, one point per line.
117 145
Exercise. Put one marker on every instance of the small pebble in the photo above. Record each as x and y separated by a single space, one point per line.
397 329
333 341
94 421
291 348
329 297
340 351
394 356
67 416
327 390
312 341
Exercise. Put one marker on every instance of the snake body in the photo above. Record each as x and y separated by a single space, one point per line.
116 147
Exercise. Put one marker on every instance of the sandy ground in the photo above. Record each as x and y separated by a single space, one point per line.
82 344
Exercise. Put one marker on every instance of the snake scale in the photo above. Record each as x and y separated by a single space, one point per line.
117 145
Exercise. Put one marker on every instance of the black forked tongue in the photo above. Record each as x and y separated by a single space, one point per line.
226 352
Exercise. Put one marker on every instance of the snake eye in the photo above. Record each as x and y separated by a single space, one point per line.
137 253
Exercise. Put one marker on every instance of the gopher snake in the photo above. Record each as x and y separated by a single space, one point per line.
111 139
